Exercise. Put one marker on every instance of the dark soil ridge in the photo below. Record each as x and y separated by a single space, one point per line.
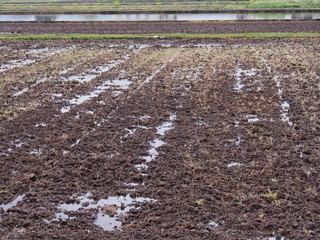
158 27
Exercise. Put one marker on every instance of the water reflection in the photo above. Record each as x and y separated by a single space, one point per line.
45 18
162 17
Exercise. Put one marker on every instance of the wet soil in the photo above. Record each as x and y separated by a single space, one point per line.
216 161
160 27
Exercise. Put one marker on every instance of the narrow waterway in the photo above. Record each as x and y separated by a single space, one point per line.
161 17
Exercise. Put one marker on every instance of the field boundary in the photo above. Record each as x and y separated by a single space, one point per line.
114 7
302 10
152 36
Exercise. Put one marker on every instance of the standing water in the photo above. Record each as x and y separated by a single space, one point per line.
161 17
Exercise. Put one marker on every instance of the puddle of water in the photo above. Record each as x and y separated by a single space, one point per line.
24 90
76 143
238 140
14 203
35 152
252 118
41 124
89 112
62 216
116 93
107 223
90 73
16 63
6 152
201 123
153 153
141 166
121 83
56 94
110 209
213 224
84 98
38 51
18 143
157 142
301 155
91 204
143 127
284 112
144 117
284 105
81 78
66 70
194 76
112 155
65 109
64 152
166 126
162 17
100 69
209 45
31 86
148 79
233 164
240 74
20 92
106 84
278 83
130 132
20 63
308 172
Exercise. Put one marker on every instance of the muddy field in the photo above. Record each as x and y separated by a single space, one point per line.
160 140
160 27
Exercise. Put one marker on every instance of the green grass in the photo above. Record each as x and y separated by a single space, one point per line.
284 5
156 6
150 36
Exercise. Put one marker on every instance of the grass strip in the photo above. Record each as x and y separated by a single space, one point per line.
161 5
149 36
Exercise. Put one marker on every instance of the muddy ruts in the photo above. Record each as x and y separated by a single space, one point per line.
235 161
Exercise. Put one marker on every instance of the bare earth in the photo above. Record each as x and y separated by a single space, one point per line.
160 139
160 27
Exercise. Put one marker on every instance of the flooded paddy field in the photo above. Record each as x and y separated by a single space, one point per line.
160 139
